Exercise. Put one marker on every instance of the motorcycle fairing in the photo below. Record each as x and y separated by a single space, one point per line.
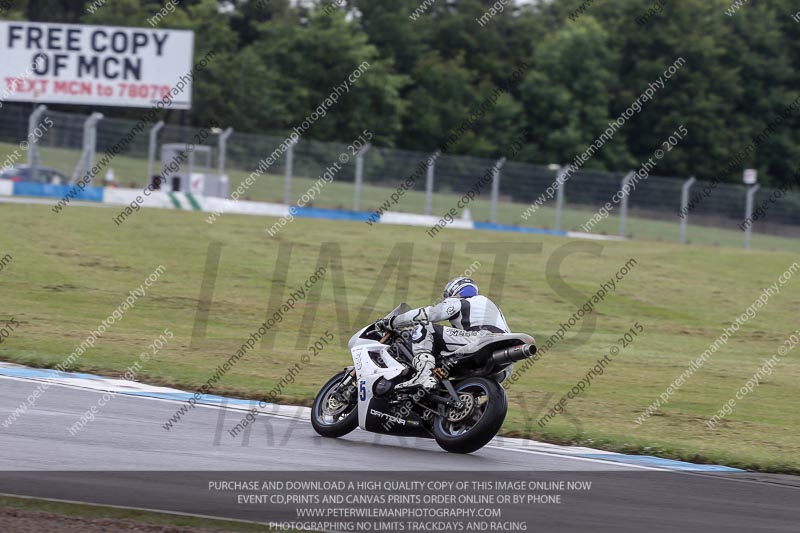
368 372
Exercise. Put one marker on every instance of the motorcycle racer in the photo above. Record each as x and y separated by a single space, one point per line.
470 315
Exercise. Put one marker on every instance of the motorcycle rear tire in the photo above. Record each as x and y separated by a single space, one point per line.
487 426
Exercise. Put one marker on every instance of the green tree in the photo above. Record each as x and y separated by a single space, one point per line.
758 48
338 48
396 36
568 96
440 100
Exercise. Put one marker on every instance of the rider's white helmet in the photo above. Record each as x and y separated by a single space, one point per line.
460 287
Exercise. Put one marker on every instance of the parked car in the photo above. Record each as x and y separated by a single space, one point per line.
43 175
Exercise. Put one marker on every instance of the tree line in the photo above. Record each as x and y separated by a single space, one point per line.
432 64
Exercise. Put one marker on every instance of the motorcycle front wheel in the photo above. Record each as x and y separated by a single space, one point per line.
471 427
335 410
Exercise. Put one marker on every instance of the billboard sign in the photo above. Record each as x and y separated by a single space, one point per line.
93 65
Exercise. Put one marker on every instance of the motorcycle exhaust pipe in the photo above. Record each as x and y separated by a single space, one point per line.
511 355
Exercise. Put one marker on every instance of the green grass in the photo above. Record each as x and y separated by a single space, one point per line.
72 269
270 187
112 513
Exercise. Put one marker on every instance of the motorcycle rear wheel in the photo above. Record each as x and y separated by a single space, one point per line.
472 427
329 416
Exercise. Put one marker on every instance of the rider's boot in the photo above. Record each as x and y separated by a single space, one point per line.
423 363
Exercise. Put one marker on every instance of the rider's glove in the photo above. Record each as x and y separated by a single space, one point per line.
383 325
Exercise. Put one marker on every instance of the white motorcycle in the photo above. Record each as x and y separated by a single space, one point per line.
463 413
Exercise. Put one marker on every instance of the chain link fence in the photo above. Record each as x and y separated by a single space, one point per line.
715 217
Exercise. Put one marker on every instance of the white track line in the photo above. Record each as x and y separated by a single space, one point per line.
101 391
579 458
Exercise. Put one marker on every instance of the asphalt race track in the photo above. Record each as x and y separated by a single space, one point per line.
125 457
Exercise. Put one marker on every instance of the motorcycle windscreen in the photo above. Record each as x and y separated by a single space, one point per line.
399 310
369 331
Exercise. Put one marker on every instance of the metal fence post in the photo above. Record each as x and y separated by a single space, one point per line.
89 144
360 175
33 147
748 212
90 138
685 206
429 183
151 149
289 172
623 208
559 199
496 188
222 148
